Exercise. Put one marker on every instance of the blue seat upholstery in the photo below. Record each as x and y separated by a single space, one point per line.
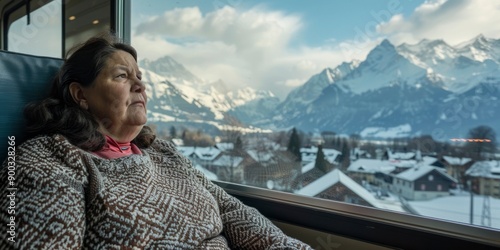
23 78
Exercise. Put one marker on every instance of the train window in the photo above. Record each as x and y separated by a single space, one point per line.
41 31
385 104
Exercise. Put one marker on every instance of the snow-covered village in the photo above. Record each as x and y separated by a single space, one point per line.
389 176
418 139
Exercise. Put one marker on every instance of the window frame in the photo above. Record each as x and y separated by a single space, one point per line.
8 10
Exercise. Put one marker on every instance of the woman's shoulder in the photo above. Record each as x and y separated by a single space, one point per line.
48 152
162 146
47 144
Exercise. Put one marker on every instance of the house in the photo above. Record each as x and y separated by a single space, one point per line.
177 141
200 155
309 173
389 155
485 177
455 166
225 146
357 153
337 186
228 167
317 139
368 170
271 169
422 182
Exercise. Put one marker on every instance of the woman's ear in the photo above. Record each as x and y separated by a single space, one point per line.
76 91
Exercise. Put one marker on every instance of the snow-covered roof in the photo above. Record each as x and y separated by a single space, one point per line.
186 151
403 163
488 169
370 166
206 153
309 154
227 161
337 176
456 160
178 142
418 171
203 153
308 167
428 160
260 156
400 155
225 146
262 143
414 173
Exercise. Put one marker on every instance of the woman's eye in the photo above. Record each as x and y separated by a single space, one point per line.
122 76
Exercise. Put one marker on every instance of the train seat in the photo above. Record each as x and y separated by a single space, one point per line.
23 78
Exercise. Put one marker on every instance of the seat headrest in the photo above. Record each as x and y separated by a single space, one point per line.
23 78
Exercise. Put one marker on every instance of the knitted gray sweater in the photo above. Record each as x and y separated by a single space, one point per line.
67 198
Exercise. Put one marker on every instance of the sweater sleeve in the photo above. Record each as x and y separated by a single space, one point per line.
244 226
42 205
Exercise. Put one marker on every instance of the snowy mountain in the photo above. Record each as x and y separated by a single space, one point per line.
427 88
253 107
176 96
308 92
481 49
412 89
171 69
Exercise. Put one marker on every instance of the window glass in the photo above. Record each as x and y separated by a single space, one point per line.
388 104
42 35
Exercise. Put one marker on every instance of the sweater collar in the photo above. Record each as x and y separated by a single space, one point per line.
114 149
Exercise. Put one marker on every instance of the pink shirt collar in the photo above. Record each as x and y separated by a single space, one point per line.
113 149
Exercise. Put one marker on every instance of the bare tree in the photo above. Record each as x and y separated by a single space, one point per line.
482 139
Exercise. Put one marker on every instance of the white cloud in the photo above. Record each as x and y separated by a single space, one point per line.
243 48
454 21
293 82
248 30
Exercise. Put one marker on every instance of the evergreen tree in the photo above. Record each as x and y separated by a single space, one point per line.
238 145
346 154
294 144
321 162
173 132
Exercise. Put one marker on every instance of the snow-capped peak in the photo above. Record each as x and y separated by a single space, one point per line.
170 68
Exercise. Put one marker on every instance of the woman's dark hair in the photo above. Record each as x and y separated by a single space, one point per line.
60 114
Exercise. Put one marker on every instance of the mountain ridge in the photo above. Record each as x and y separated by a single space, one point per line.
422 88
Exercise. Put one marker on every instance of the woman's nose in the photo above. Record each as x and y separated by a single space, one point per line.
139 86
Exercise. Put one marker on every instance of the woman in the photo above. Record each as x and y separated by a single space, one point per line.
94 177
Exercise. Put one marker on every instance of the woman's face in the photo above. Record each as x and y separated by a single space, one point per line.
117 98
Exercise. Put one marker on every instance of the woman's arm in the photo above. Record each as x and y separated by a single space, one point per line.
42 204
244 226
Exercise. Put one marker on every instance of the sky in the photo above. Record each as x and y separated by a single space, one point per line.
279 45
